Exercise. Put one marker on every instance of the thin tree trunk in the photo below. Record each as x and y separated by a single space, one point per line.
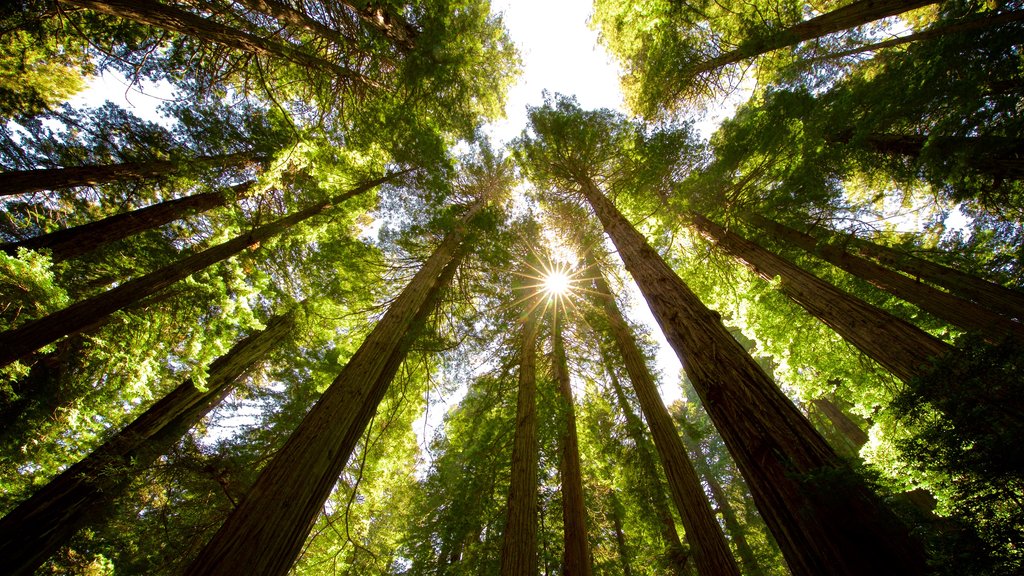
24 181
620 536
901 348
710 550
19 342
854 14
822 527
847 427
265 533
519 541
74 242
675 553
290 16
394 27
78 497
943 305
180 21
576 552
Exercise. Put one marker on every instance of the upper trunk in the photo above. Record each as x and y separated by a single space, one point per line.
265 533
822 527
79 240
710 549
80 495
901 348
576 556
943 305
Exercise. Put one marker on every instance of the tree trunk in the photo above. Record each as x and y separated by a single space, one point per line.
576 552
847 427
901 348
24 181
265 533
297 18
854 14
19 342
153 13
79 496
996 156
709 547
74 242
943 305
519 541
822 526
675 553
394 27
620 536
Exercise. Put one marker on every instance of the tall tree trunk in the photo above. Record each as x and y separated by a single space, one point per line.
854 14
847 427
288 15
265 533
822 527
997 156
901 348
519 541
74 242
710 550
957 311
24 181
620 537
392 26
78 497
19 342
180 21
675 553
576 552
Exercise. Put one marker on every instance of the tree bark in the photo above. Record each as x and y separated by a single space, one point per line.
675 553
74 242
78 497
15 182
822 527
290 16
901 348
394 27
943 305
265 533
996 156
153 13
854 14
519 541
19 342
842 422
576 552
620 536
710 550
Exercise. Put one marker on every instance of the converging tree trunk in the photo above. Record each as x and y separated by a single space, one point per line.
576 552
615 515
265 533
847 427
286 14
79 496
19 342
710 550
822 526
24 181
519 541
943 305
74 242
901 348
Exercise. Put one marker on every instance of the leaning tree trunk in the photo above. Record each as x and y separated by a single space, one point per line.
675 553
24 181
822 526
182 22
943 305
19 342
710 550
576 552
265 533
854 14
999 157
903 349
80 495
519 541
286 14
79 240
847 427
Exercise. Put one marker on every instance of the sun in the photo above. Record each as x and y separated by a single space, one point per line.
557 283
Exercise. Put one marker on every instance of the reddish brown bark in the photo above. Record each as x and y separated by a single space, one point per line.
78 497
266 531
519 541
615 515
943 305
19 342
842 422
24 181
901 348
822 527
710 550
79 240
576 551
